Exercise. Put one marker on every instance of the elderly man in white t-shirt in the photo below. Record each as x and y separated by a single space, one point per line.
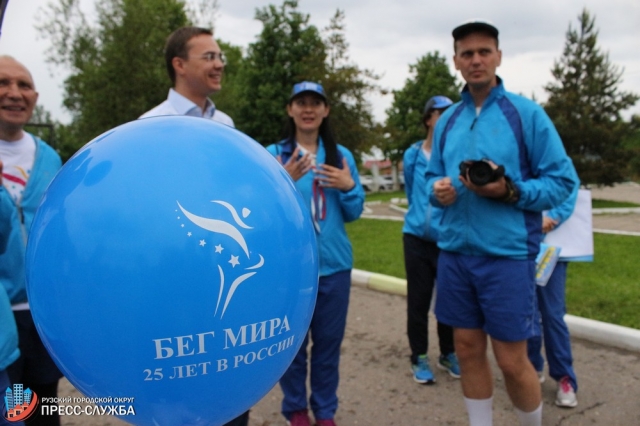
195 65
27 166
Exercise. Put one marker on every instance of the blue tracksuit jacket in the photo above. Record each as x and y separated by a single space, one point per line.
422 218
512 131
334 247
15 221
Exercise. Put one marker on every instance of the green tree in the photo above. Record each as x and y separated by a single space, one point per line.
348 85
42 125
227 99
429 76
290 50
632 143
117 65
585 105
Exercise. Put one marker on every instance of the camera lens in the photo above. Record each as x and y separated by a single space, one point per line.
481 173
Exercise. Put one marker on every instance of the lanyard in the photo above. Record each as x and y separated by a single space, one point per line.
318 205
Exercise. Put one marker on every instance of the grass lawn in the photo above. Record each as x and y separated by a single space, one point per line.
607 289
595 203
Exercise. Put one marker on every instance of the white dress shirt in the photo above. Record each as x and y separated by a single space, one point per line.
176 104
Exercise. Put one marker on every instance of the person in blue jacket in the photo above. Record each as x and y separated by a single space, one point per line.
28 165
9 352
325 174
419 239
552 308
497 162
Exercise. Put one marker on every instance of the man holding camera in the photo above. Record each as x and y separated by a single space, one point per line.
497 163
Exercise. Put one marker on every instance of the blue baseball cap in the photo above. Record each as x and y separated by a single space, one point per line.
307 86
437 102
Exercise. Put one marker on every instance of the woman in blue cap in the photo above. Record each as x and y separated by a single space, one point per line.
419 239
325 173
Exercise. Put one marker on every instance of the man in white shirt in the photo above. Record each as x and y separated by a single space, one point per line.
195 65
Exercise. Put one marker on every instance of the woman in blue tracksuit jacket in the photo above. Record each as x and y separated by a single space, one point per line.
325 173
419 241
33 368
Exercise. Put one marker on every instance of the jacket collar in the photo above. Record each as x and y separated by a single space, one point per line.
496 93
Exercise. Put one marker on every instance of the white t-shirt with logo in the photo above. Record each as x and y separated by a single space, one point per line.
17 162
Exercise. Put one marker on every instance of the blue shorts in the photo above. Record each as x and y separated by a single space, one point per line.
494 294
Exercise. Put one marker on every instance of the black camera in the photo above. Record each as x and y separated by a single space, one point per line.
480 172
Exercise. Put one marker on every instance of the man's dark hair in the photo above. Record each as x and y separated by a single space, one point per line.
455 42
176 46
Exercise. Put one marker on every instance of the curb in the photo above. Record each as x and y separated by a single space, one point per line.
616 210
587 329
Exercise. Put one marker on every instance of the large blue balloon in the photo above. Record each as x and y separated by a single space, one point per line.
173 262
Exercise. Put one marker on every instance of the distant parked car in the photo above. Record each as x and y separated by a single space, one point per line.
385 183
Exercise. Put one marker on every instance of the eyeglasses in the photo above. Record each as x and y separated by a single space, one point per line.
211 56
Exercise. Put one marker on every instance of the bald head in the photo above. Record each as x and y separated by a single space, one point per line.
18 98
11 59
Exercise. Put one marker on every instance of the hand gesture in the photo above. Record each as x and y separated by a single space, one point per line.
548 224
334 177
444 191
297 165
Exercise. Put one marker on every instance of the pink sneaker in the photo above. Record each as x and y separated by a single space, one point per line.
566 396
300 418
325 422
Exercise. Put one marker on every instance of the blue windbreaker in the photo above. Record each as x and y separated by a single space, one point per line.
334 247
9 351
512 131
16 221
422 218
562 212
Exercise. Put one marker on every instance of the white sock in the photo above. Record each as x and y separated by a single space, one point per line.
533 418
480 411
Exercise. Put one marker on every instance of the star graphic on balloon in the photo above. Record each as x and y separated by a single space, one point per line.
231 229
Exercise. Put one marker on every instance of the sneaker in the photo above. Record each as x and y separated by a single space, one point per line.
299 418
450 364
325 422
541 377
422 372
566 396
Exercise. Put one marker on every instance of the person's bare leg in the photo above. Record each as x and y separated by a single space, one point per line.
475 375
520 377
475 371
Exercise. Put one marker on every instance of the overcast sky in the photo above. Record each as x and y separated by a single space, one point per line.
388 36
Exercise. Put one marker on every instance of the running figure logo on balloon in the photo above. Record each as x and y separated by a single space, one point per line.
218 226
